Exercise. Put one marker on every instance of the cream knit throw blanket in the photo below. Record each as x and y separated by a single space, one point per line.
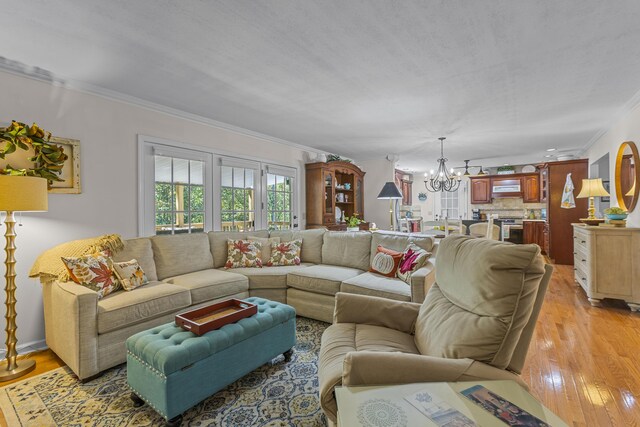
49 264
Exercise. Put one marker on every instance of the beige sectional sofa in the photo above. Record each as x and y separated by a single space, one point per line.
186 271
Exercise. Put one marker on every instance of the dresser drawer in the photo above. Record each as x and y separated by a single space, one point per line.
582 277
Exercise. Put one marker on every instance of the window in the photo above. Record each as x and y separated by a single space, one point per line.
237 199
179 195
189 189
449 207
279 200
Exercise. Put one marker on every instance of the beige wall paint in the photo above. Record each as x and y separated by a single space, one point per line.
378 172
107 131
626 128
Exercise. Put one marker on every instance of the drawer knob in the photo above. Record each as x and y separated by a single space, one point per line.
583 241
584 260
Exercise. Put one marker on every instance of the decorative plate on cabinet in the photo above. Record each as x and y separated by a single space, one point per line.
528 169
338 214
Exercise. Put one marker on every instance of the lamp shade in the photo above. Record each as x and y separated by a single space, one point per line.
390 191
592 188
23 193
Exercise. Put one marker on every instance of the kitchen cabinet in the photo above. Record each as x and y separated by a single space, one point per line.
328 199
531 191
480 189
607 263
534 232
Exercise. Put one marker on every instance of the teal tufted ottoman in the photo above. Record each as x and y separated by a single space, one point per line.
172 369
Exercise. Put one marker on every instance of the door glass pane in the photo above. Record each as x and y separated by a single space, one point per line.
279 206
237 195
174 200
328 193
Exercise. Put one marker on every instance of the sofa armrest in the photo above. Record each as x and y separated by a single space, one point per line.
372 368
421 281
364 309
71 319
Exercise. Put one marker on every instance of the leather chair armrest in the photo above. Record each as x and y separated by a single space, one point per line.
421 281
372 368
364 309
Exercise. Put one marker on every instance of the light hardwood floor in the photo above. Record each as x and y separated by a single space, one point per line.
583 363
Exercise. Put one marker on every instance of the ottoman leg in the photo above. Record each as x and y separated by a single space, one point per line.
137 402
175 421
287 355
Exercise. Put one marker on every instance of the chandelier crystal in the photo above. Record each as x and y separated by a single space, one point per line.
442 179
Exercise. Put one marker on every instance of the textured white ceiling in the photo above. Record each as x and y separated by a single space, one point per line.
501 79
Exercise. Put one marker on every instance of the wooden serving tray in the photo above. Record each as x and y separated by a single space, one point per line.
215 316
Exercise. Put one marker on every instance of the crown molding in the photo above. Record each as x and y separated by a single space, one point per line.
627 108
39 74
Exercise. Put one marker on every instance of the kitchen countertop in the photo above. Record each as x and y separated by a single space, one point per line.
535 220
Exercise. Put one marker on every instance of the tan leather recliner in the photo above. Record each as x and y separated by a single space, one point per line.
475 323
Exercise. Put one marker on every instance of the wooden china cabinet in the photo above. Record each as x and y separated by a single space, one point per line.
334 190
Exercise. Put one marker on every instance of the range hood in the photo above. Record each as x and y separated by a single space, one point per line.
506 187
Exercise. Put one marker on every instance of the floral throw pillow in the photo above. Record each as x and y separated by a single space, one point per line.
94 272
286 253
385 262
243 253
414 257
130 274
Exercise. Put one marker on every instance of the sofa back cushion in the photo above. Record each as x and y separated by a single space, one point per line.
398 242
181 253
311 242
482 299
347 249
141 250
218 243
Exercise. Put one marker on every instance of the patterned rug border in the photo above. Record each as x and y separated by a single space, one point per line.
9 412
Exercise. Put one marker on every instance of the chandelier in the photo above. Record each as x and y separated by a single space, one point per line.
442 179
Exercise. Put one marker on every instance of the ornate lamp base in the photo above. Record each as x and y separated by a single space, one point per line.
22 367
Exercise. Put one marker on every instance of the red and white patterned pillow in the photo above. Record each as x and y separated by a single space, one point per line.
243 253
286 253
413 258
94 272
385 262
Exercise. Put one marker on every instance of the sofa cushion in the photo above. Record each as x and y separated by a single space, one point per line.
218 243
122 309
311 242
139 249
378 286
181 253
482 299
269 277
206 285
347 249
399 241
321 279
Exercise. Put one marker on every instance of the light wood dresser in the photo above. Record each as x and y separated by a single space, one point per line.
607 263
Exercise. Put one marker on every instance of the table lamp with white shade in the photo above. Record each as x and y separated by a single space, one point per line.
592 188
17 194
390 191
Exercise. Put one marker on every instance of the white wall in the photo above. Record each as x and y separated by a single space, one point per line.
107 131
378 172
625 129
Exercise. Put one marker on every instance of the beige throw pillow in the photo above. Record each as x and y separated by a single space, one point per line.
265 253
130 274
243 253
94 272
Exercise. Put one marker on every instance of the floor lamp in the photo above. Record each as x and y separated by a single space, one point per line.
390 191
17 193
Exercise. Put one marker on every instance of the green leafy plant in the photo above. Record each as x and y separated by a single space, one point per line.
615 211
48 158
336 158
353 221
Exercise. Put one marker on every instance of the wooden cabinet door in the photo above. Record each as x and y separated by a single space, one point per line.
531 189
528 232
406 192
480 190
544 183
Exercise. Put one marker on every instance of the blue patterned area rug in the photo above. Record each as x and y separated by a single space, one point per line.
276 394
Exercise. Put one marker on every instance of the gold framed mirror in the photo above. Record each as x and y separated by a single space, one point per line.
627 175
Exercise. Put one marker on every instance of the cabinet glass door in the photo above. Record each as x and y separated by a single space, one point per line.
328 193
359 199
